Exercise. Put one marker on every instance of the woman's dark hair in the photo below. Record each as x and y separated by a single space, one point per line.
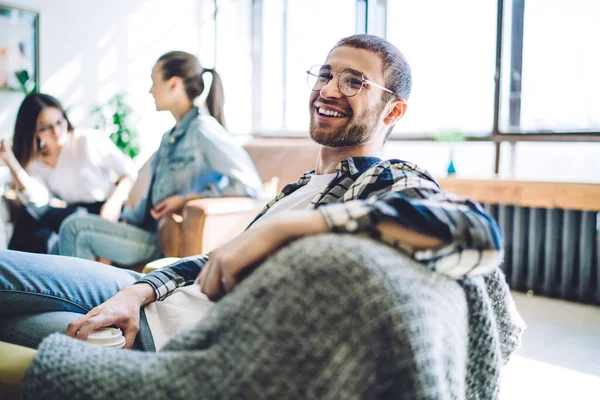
187 67
25 146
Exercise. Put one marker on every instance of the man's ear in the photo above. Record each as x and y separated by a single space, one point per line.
396 110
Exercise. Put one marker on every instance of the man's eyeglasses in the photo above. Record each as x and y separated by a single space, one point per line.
351 82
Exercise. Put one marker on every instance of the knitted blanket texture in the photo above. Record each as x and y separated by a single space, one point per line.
326 317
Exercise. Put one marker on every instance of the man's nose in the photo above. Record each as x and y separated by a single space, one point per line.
331 89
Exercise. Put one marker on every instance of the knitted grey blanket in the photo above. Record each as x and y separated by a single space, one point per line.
327 317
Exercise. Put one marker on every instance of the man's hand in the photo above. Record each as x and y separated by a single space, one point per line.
111 210
122 310
227 264
169 205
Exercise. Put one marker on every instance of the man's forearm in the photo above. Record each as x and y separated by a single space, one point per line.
143 291
303 223
393 231
300 224
469 242
183 272
461 224
396 232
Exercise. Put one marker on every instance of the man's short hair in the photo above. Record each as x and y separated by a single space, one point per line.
396 70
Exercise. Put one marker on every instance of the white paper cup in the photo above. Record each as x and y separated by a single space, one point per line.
107 337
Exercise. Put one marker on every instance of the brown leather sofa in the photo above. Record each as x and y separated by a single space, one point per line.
204 224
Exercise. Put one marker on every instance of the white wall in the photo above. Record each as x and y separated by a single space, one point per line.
91 49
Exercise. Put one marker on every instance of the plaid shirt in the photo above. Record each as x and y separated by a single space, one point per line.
366 191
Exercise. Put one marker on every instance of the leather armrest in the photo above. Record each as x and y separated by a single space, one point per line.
204 224
158 264
14 360
224 205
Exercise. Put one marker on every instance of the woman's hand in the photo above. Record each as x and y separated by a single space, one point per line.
122 310
6 152
230 263
111 210
169 205
20 176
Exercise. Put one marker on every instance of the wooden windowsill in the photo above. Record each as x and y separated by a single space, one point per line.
568 196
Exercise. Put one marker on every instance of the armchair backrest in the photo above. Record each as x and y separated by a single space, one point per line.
283 158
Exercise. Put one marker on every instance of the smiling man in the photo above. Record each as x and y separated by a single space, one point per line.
298 307
340 117
357 97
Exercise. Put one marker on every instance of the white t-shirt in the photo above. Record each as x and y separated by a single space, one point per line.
301 198
188 305
88 167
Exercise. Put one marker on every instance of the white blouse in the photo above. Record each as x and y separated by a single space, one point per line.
87 170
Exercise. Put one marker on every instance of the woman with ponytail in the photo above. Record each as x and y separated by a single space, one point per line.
196 159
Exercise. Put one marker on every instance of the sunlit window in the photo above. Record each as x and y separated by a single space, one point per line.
296 34
560 74
450 46
234 61
547 83
314 27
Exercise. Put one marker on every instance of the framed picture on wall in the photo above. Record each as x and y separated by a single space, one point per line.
19 49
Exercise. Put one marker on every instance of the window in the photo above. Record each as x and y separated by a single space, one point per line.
547 82
314 26
296 34
553 83
451 47
233 60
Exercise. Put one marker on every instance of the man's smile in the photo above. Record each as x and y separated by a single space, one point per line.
330 113
326 112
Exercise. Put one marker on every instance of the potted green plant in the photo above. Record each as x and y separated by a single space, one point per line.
28 85
118 119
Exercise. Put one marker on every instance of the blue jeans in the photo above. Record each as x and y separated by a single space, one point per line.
87 236
41 294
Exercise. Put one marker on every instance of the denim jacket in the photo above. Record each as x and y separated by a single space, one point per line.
196 157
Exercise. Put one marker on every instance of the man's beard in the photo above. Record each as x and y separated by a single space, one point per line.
356 131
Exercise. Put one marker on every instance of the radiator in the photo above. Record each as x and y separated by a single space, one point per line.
551 252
